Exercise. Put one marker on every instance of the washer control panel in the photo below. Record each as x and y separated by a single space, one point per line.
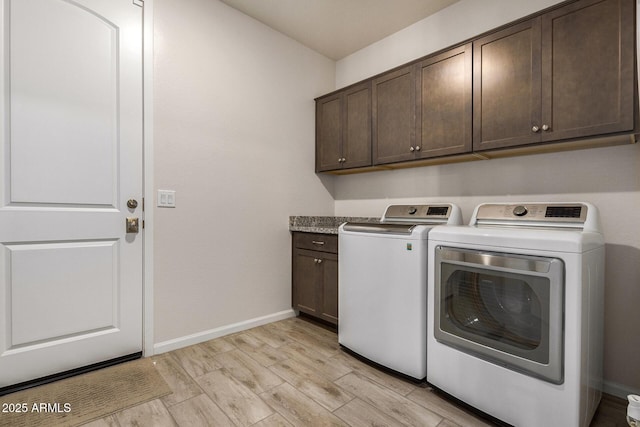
417 213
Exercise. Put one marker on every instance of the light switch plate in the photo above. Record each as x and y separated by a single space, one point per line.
166 199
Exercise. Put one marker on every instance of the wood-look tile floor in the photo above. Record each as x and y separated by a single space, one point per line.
293 373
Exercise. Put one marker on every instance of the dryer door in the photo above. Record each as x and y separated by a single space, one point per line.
505 308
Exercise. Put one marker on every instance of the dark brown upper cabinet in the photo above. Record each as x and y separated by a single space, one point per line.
588 69
566 74
343 129
393 114
507 88
443 110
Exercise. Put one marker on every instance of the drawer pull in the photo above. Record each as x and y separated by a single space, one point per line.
316 242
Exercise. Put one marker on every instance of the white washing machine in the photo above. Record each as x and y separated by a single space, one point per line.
515 303
382 285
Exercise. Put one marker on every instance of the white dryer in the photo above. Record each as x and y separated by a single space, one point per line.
382 285
515 303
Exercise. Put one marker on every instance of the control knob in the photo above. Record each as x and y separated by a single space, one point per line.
520 211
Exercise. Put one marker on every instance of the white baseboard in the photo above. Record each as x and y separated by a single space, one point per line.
176 343
619 390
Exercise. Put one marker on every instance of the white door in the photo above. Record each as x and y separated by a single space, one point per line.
70 158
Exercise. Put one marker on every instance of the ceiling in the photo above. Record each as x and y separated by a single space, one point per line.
338 28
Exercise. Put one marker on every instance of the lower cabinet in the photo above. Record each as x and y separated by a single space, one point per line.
315 275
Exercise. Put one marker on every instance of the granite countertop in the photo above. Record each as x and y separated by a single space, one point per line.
323 224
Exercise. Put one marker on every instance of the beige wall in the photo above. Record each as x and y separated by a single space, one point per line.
607 177
234 137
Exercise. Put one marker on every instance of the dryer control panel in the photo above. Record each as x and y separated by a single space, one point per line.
544 213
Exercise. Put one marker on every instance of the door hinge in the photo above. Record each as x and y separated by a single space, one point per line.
138 2
143 224
143 204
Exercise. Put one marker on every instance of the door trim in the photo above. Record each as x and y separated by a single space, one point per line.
147 166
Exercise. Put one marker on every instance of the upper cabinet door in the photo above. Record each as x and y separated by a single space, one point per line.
588 69
343 129
394 116
356 148
506 87
329 133
443 110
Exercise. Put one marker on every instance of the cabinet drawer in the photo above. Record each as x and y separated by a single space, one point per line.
316 242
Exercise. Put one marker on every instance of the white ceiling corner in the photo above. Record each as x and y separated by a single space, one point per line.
338 28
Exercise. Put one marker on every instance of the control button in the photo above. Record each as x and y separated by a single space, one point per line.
520 211
412 210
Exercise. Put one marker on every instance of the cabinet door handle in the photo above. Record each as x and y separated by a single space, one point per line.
319 261
316 242
535 129
417 148
545 127
411 149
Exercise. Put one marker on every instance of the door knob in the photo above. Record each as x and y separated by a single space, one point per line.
132 203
